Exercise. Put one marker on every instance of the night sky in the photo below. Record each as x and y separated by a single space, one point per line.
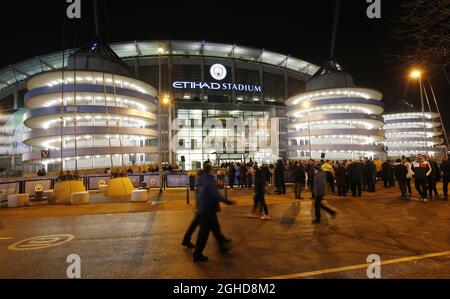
364 46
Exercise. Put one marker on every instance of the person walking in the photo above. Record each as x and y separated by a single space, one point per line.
196 221
259 199
341 179
445 168
319 192
208 205
299 179
421 170
355 178
279 174
409 175
400 173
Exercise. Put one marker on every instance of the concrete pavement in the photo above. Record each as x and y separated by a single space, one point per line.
146 244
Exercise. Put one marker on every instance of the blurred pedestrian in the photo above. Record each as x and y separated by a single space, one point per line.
319 192
259 199
208 204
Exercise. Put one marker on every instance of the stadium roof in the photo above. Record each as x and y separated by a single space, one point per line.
21 71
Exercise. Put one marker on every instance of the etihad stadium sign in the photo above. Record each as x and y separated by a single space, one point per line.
218 72
216 86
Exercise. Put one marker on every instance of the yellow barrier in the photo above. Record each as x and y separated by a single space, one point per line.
64 189
119 187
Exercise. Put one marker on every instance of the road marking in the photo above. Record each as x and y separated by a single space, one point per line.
5 238
361 266
41 242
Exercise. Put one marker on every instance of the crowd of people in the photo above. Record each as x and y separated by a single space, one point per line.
147 168
341 176
353 176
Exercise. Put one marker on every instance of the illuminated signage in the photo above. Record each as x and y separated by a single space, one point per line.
216 86
218 72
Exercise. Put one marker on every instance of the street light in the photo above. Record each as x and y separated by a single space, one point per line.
307 105
417 75
166 100
160 52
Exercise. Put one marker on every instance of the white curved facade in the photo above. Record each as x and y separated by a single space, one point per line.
412 133
343 123
111 110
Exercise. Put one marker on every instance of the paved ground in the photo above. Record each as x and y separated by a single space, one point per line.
121 240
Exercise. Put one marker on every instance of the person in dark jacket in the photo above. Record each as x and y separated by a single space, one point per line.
196 221
258 199
341 179
310 171
365 175
372 172
244 171
208 204
266 172
421 170
299 179
279 174
433 178
319 192
391 174
385 173
445 168
355 177
400 172
231 175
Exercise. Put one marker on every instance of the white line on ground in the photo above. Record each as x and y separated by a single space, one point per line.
361 266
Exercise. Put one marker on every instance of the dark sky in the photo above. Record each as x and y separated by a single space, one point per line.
299 28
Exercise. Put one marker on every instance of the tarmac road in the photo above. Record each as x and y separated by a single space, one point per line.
147 244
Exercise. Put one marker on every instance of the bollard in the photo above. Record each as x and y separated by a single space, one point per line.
187 194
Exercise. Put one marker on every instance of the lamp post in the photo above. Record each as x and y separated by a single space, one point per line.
160 52
307 105
416 74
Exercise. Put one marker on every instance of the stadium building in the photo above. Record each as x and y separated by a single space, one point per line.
412 133
334 119
200 80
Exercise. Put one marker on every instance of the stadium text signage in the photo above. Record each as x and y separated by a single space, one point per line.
218 72
216 86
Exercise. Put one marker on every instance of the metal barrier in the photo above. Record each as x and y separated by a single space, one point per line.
153 180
